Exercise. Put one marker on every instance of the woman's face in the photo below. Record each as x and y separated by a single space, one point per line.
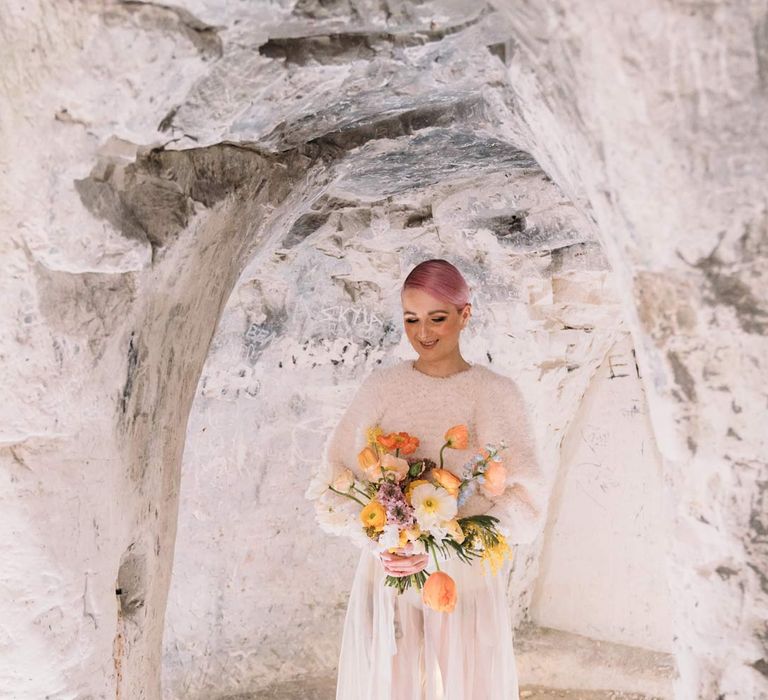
427 319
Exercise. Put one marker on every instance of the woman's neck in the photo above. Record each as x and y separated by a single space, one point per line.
443 367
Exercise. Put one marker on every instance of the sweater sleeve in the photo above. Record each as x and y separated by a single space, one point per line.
337 514
521 507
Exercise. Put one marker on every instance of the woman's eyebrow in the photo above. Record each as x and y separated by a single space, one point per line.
436 311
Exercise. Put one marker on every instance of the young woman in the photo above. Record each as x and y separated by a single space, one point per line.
393 646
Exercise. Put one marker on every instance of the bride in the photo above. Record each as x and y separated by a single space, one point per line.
394 647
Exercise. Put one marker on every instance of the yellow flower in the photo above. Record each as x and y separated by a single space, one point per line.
409 534
371 434
373 515
494 556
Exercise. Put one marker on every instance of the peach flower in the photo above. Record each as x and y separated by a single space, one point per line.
449 481
370 464
457 437
495 479
397 465
439 592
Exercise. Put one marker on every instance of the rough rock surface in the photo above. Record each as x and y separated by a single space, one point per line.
261 175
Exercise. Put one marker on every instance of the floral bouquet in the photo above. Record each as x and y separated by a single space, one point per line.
410 505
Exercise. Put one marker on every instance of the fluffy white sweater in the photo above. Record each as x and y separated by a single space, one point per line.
402 398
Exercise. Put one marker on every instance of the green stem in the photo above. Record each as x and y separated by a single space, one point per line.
362 493
441 454
434 556
348 495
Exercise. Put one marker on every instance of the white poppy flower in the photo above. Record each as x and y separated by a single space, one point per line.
432 506
343 482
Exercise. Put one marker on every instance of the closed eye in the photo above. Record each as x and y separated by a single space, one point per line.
436 320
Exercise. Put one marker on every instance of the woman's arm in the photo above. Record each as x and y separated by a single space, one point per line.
336 514
502 415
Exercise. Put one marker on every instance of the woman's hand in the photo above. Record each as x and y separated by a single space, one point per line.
403 564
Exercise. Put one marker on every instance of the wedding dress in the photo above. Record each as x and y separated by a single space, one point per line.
394 647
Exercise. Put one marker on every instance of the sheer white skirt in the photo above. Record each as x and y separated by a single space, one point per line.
395 648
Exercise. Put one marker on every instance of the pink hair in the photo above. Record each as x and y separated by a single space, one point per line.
440 279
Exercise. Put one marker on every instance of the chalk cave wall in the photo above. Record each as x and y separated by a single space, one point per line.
165 163
258 594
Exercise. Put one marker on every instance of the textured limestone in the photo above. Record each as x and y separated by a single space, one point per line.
210 189
653 119
290 347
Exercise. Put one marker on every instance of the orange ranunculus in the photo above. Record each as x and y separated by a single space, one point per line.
495 479
449 481
407 444
410 445
457 437
373 515
411 486
397 465
369 463
439 592
388 441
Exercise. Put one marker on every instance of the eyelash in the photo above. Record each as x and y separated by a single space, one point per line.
436 320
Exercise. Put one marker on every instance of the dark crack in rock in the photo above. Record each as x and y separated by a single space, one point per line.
419 218
588 255
513 230
427 158
682 377
352 121
322 46
305 226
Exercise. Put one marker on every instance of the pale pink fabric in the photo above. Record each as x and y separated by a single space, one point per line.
393 647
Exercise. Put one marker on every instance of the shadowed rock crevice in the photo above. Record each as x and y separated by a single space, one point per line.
156 197
340 128
95 306
331 47
429 157
515 230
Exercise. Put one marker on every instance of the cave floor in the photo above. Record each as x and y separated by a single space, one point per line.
551 664
324 690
